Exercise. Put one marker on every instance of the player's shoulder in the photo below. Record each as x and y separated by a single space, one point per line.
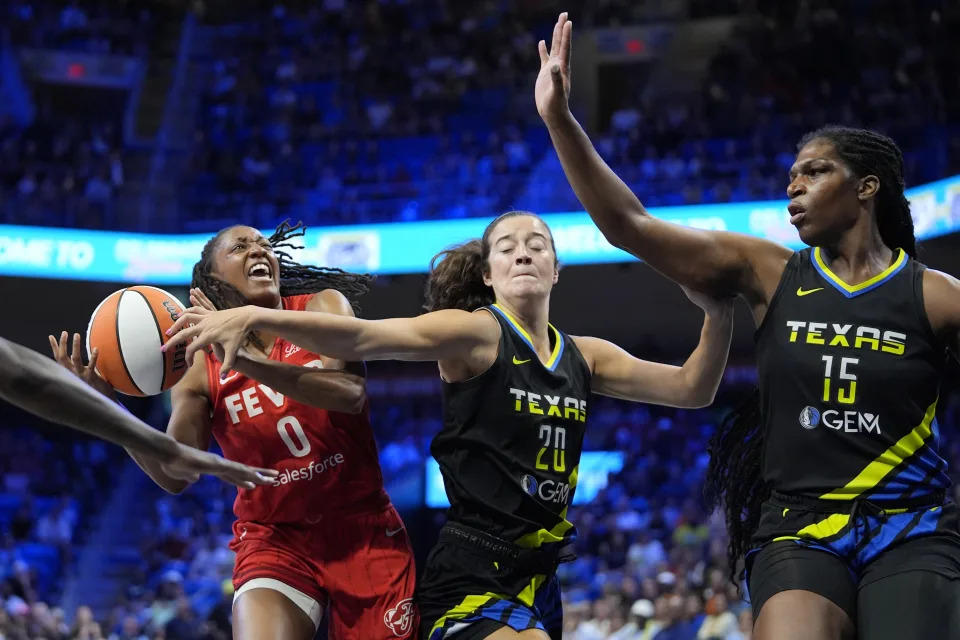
327 300
941 297
940 288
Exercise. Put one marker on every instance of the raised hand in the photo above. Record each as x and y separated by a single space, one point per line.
191 463
552 90
73 362
227 328
199 299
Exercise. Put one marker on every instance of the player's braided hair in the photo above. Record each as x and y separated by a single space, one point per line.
295 278
866 153
456 274
733 477
734 474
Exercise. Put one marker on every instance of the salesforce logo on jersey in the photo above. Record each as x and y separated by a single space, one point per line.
846 421
595 469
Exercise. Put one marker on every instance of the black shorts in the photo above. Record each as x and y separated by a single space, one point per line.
462 574
858 556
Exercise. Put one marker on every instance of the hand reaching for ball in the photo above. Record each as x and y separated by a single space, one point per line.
73 362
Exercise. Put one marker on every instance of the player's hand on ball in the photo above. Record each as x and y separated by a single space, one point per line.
202 328
552 89
191 463
74 363
199 299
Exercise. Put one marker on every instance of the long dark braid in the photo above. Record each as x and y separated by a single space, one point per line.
295 278
870 153
733 477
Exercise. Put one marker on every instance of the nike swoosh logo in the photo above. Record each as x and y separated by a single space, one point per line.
515 361
801 292
391 533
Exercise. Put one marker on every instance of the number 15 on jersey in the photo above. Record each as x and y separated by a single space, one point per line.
845 395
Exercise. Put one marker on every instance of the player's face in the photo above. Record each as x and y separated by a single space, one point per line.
522 261
823 194
245 259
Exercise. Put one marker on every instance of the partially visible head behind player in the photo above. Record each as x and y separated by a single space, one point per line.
839 174
514 260
240 266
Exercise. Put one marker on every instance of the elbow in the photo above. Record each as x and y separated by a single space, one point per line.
355 397
624 224
175 488
694 394
698 401
698 398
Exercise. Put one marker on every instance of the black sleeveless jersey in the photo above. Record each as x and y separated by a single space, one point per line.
849 381
511 440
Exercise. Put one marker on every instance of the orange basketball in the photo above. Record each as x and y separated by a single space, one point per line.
128 328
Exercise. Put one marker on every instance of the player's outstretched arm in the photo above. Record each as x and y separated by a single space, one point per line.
46 389
618 374
440 335
329 387
718 263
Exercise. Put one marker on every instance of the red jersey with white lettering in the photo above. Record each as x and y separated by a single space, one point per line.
327 460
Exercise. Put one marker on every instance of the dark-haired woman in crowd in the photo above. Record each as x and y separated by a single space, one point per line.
831 476
515 395
324 536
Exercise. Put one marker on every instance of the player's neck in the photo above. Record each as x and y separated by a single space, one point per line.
533 316
265 348
858 255
267 340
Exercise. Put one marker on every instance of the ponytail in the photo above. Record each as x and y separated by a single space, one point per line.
456 279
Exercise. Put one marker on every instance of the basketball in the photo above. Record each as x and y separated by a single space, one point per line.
128 328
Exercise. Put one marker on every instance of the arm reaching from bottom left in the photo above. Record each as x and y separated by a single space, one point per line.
42 387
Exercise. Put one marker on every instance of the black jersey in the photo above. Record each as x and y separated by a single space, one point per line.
511 439
849 381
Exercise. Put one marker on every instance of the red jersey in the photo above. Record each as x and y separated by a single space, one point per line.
327 460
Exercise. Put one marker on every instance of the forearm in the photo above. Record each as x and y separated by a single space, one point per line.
42 387
702 372
334 390
154 468
686 256
607 199
334 336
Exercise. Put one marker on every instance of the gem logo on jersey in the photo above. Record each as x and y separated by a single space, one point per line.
851 421
547 490
846 421
809 418
399 619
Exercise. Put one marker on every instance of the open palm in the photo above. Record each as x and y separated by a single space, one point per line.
552 90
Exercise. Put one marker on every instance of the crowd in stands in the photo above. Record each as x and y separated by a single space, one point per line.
60 171
51 488
90 26
308 111
651 562
348 112
64 165
768 85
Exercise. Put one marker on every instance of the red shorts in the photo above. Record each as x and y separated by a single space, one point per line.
360 568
